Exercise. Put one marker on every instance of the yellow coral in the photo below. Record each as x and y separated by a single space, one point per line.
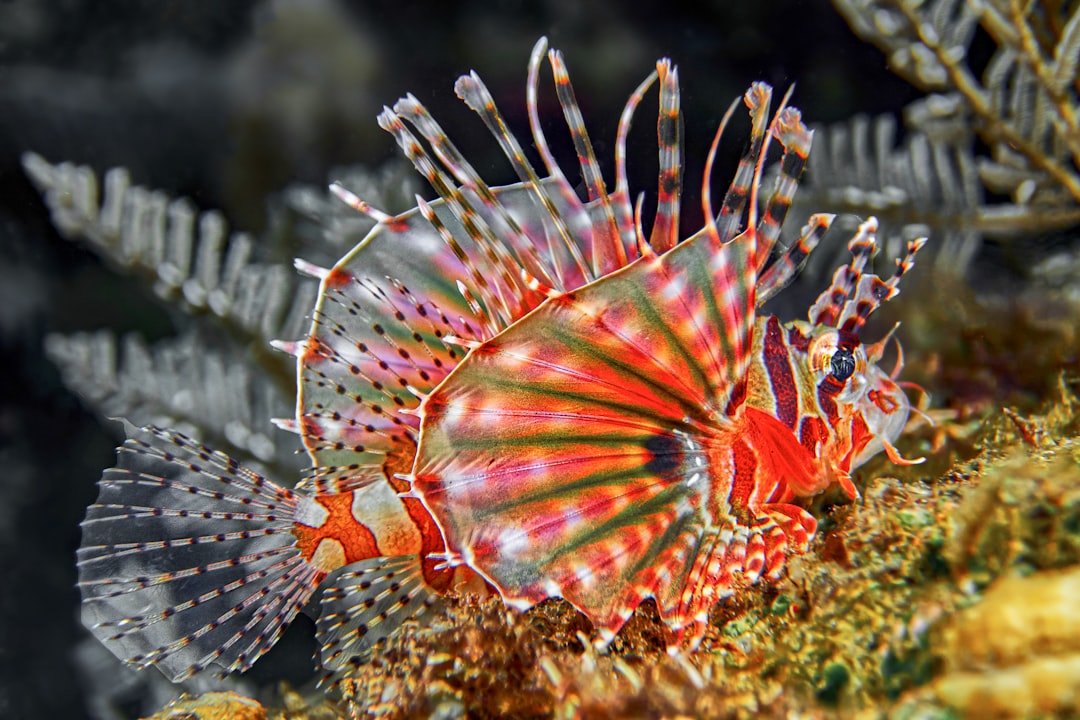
212 706
1017 653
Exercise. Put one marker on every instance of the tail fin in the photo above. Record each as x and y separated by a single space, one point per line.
188 559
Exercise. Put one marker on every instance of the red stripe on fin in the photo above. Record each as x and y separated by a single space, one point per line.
790 262
665 232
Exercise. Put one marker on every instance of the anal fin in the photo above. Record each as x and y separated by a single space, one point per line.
366 602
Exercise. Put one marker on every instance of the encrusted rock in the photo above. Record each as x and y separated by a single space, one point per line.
1016 654
212 706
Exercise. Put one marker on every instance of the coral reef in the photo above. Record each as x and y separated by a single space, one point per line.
1025 512
1016 654
212 706
931 596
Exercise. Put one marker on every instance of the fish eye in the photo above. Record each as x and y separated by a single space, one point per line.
843 364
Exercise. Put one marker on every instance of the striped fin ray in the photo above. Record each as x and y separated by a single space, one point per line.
606 251
479 258
374 344
787 266
517 249
366 602
732 555
665 232
488 321
796 140
872 291
580 241
552 207
629 223
188 559
510 298
532 106
830 304
757 98
569 454
616 209
622 184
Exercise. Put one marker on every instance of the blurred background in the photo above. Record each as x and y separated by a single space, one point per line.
232 103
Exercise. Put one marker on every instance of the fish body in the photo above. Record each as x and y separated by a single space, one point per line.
512 390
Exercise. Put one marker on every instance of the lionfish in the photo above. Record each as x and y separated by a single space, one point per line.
512 390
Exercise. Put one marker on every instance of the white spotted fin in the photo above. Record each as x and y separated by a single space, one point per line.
188 558
366 602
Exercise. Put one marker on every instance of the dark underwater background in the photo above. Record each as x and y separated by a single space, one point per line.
229 103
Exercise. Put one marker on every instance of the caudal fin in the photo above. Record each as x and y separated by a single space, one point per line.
188 558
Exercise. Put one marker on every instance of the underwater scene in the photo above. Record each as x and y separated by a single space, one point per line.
534 360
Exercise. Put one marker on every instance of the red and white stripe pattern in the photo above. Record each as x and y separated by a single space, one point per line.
510 389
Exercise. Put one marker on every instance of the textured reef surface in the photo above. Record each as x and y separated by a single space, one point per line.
948 592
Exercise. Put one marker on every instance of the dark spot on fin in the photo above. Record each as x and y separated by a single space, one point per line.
667 455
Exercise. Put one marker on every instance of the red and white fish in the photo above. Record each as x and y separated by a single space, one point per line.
512 390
